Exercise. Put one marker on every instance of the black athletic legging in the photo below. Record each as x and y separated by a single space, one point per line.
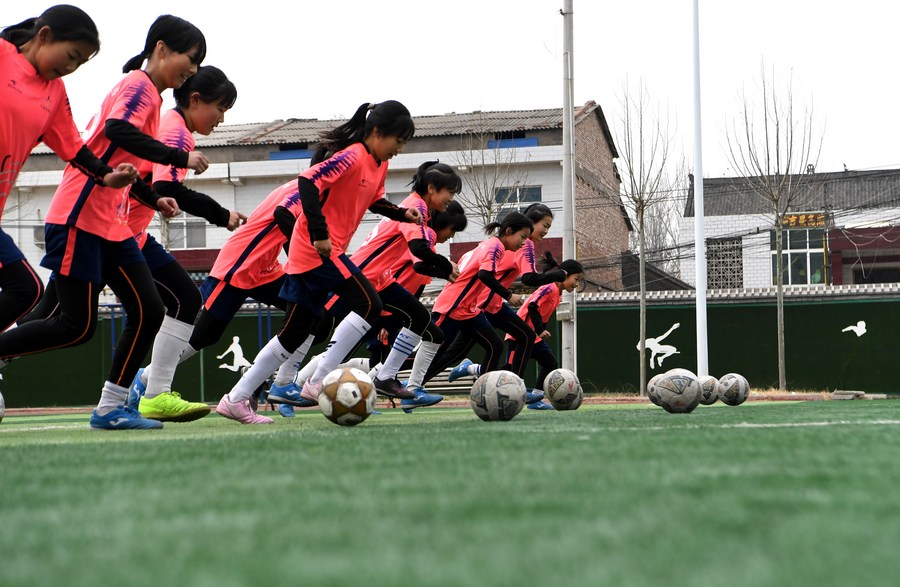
208 329
506 320
477 329
75 320
20 292
355 291
543 354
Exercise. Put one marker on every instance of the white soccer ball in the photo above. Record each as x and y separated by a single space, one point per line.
497 395
347 397
563 390
709 390
678 393
2 407
733 389
651 388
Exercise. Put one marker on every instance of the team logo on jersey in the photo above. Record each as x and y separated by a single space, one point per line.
363 183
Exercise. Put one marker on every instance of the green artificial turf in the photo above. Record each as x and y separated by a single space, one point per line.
764 494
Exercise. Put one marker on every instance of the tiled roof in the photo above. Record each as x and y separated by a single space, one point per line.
844 190
299 130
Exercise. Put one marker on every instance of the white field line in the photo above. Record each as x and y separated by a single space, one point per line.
11 429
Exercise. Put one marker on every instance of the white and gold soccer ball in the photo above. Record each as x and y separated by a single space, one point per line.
497 395
563 389
347 396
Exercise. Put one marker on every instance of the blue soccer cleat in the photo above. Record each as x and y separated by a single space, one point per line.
421 400
289 394
540 405
533 397
461 370
123 418
286 410
136 391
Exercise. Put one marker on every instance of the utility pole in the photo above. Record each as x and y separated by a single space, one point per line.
566 313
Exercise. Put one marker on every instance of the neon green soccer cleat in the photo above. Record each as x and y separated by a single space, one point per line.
169 407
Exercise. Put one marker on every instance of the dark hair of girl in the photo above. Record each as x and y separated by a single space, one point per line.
453 217
512 222
546 262
178 34
391 118
438 174
212 85
571 266
67 23
538 211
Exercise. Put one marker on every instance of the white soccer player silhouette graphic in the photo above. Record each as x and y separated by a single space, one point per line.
238 359
859 328
662 350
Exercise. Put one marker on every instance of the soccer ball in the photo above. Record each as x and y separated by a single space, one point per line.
651 388
678 393
709 390
733 389
347 397
497 395
563 389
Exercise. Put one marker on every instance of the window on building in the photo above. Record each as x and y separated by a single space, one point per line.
804 255
724 263
186 232
515 199
510 139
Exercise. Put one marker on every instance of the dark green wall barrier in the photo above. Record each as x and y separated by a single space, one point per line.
742 339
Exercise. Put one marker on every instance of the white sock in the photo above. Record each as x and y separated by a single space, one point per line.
361 363
424 356
373 372
289 368
170 341
307 371
346 335
474 369
269 358
186 354
405 343
111 397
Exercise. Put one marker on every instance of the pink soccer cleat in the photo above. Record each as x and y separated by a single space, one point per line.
240 411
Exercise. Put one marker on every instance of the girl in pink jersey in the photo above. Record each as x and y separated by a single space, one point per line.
89 242
536 311
412 274
499 314
201 103
34 55
456 308
334 194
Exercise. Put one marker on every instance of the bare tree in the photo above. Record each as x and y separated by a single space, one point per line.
651 175
485 171
771 147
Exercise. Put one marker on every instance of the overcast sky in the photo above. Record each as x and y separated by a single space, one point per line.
301 59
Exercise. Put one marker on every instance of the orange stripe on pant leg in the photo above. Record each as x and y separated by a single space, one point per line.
140 311
66 265
215 293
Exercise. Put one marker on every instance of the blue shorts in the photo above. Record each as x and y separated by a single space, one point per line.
75 253
155 254
223 300
9 252
310 289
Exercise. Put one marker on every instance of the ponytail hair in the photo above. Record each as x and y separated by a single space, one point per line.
66 23
453 217
178 34
547 262
438 174
512 222
391 118
538 211
571 267
212 85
